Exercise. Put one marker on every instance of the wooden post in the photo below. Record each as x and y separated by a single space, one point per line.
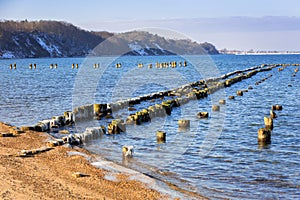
160 137
184 123
215 108
222 101
268 122
264 135
239 93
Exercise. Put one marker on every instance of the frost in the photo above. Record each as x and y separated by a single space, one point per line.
115 169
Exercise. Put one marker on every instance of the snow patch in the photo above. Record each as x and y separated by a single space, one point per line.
159 47
7 55
137 48
56 49
28 43
43 44
50 48
15 39
75 153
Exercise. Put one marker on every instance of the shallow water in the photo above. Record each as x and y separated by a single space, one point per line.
218 157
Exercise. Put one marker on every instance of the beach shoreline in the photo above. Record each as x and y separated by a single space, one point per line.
52 173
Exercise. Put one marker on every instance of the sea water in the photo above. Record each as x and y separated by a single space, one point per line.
218 157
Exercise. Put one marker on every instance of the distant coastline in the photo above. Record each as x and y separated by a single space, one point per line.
251 52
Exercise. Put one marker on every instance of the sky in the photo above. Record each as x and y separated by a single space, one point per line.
231 24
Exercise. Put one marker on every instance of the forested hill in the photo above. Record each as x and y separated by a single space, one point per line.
23 39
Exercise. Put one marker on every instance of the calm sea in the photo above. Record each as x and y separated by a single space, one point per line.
218 157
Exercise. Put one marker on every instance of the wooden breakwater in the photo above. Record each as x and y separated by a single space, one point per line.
160 65
180 96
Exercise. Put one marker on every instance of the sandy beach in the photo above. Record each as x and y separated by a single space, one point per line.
50 174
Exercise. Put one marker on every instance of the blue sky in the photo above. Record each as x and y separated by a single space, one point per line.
232 24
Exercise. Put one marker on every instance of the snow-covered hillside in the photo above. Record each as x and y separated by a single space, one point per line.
60 39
